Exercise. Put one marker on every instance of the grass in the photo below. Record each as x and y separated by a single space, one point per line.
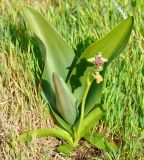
21 105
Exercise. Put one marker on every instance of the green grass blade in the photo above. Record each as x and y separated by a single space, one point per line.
99 140
110 47
39 133
59 55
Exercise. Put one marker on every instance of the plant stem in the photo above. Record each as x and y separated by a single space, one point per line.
77 135
84 100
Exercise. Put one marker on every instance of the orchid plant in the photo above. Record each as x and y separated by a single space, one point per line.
73 98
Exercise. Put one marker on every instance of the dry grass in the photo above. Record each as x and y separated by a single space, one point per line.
21 105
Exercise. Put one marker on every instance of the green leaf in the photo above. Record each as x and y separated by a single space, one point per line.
62 122
65 100
89 121
65 149
110 47
100 141
39 133
59 55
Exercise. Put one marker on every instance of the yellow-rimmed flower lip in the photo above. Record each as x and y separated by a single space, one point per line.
97 77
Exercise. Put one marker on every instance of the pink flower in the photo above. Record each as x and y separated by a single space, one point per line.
99 61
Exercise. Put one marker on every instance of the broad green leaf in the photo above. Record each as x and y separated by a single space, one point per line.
65 100
65 149
89 121
110 47
61 121
59 55
39 133
100 141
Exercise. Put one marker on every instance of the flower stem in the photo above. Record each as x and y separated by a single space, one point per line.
77 135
